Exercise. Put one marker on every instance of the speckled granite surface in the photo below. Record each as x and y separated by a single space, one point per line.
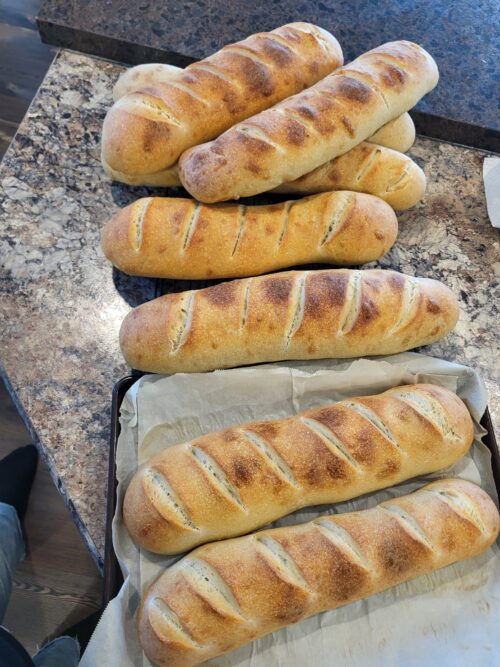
463 37
61 305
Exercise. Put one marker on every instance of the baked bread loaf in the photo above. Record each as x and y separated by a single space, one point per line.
390 175
232 482
305 131
398 134
180 238
142 76
292 315
146 131
224 595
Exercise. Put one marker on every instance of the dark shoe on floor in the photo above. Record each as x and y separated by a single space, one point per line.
17 472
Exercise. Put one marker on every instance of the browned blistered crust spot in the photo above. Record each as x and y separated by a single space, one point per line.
307 111
393 76
277 290
229 435
397 282
348 125
398 552
153 133
324 291
252 145
222 295
257 78
432 306
253 167
389 469
367 313
353 89
266 430
295 133
330 417
243 470
278 52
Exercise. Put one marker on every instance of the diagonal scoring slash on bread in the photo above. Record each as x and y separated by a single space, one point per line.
335 313
233 481
228 593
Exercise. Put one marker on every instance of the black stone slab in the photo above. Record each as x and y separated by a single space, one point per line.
463 36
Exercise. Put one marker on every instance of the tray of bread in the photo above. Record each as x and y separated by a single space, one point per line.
292 482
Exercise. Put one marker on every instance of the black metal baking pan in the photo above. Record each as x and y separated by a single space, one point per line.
113 578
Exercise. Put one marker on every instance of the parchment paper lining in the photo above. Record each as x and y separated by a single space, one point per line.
451 615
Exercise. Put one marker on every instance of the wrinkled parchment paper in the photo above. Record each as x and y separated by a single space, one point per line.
450 617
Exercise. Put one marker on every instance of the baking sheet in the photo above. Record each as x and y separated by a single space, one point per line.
451 614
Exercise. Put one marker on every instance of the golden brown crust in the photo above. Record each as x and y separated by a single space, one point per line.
306 130
179 238
146 131
269 469
335 313
142 76
370 168
227 593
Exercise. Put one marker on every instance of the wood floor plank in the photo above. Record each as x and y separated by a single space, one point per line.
23 65
19 12
7 132
58 583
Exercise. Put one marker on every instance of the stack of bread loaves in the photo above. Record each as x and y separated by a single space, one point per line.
278 112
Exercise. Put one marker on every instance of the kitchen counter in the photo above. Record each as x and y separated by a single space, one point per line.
61 304
462 36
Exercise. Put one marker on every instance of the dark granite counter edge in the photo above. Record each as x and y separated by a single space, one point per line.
103 46
55 478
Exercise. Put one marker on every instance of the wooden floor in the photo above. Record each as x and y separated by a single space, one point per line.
58 584
23 63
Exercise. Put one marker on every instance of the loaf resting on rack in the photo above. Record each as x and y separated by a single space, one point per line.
334 313
234 481
180 238
226 594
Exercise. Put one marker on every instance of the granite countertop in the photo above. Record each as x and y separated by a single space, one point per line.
61 303
462 36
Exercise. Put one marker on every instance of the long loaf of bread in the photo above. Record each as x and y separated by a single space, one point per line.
292 315
305 131
180 238
398 134
232 482
146 131
377 170
226 594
